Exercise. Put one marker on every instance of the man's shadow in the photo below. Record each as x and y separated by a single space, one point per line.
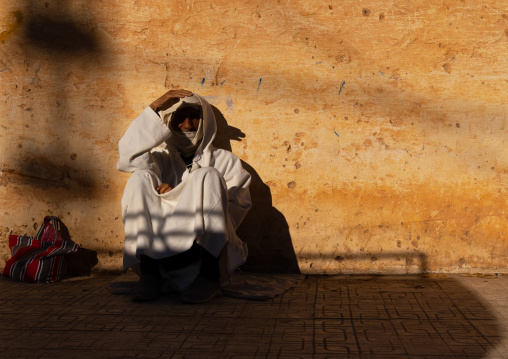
264 229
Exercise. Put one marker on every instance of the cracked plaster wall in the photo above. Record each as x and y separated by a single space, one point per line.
379 127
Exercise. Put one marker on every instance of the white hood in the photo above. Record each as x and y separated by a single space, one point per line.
202 143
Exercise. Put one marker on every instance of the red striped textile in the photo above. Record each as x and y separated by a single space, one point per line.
41 259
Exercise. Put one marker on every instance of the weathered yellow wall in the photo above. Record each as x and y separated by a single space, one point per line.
377 127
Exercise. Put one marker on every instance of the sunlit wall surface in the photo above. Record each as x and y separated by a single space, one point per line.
376 131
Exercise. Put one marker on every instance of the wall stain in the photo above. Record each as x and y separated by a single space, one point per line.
11 28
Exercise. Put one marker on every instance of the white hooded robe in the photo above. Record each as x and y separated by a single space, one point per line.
207 203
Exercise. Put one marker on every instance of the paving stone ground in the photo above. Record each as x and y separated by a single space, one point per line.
340 316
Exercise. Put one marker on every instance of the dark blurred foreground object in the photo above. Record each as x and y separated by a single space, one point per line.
42 259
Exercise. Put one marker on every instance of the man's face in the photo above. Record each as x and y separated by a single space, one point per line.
186 119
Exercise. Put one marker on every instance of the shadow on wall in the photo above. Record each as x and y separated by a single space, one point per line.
63 36
264 229
50 31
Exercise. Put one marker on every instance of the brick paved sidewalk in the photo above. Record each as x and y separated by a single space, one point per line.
324 317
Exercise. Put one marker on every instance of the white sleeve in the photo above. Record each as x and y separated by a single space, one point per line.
144 133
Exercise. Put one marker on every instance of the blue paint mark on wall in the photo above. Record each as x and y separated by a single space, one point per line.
202 81
341 86
259 85
336 133
381 73
222 83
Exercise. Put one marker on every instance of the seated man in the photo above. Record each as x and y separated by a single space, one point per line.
183 202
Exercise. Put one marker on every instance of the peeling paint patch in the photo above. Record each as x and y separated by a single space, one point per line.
215 100
229 103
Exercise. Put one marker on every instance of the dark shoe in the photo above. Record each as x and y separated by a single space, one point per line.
147 288
201 290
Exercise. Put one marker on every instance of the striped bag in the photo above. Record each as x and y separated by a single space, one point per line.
41 259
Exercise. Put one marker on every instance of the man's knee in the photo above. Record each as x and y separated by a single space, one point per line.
210 174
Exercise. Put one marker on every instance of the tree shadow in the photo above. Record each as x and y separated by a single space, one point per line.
51 31
62 36
264 229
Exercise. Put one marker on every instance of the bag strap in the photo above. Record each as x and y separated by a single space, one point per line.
54 221
39 232
56 225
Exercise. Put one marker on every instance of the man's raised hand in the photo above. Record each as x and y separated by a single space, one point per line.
169 99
